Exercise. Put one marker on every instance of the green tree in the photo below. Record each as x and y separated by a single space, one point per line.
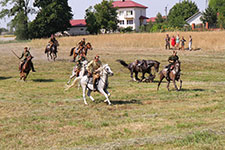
53 16
210 16
159 18
104 15
219 6
19 11
180 12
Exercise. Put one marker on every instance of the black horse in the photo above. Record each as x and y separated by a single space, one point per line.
143 66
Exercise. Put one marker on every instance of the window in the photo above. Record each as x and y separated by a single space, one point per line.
130 22
81 29
121 13
129 12
121 22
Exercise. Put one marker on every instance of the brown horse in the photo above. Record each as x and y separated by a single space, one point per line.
143 66
52 50
75 52
25 70
174 76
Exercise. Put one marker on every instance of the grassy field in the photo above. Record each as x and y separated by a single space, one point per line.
39 114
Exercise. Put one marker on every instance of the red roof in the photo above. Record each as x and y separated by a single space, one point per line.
152 19
127 4
78 23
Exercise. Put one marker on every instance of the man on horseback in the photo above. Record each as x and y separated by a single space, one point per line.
172 59
53 42
93 71
81 58
81 45
25 54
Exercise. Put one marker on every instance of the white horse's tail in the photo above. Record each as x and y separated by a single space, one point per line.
74 82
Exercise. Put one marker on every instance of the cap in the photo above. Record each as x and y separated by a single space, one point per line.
96 57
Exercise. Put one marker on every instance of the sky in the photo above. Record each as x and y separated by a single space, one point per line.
154 6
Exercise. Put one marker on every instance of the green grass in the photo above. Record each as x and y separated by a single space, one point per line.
39 114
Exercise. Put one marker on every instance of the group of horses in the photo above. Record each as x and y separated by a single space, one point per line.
144 66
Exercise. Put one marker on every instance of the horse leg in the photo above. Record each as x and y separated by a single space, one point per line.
89 95
180 85
136 76
131 75
84 95
106 96
71 77
174 82
143 76
168 85
74 57
160 81
107 92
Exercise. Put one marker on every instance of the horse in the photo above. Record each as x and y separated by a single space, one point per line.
174 76
49 50
76 51
82 72
25 70
143 66
87 84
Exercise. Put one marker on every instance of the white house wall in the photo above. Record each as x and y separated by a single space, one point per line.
137 12
78 31
196 20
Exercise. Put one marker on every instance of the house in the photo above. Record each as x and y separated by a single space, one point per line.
78 27
195 19
130 14
153 19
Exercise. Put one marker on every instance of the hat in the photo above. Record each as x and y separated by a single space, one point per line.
174 52
26 47
96 57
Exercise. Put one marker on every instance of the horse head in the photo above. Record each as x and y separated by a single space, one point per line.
89 46
107 70
156 66
177 65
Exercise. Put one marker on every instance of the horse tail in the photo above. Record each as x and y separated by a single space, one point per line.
73 84
71 51
122 63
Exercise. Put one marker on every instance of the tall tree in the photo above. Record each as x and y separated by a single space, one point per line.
53 16
209 16
19 11
105 16
219 6
180 12
159 18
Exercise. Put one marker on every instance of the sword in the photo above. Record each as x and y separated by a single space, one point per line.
15 54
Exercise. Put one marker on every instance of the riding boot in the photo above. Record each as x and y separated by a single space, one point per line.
32 67
94 84
168 74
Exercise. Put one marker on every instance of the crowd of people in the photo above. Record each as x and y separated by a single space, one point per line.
177 43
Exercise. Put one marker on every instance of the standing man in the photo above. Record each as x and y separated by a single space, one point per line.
190 43
25 55
167 39
92 68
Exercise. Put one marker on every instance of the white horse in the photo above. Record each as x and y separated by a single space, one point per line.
82 71
102 86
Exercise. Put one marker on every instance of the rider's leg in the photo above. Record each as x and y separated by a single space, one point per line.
32 66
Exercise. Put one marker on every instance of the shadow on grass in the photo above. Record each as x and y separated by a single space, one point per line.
122 102
5 78
43 80
193 90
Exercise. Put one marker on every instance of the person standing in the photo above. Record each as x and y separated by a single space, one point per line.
167 39
190 43
173 41
177 41
182 43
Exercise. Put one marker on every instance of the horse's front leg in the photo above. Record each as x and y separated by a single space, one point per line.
168 85
136 76
89 95
84 95
107 92
74 57
131 75
174 82
143 76
106 96
71 77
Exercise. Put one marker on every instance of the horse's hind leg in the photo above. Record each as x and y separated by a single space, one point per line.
180 85
107 92
89 95
160 81
174 82
84 96
168 85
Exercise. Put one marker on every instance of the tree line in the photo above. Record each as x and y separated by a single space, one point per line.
54 16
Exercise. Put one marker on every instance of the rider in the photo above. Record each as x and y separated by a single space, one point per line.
80 45
81 58
53 42
92 68
25 54
172 59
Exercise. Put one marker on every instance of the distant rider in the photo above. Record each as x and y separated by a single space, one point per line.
25 55
92 68
81 58
80 46
172 59
53 42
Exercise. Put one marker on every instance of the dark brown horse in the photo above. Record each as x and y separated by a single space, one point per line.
51 50
174 76
25 70
143 66
76 51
